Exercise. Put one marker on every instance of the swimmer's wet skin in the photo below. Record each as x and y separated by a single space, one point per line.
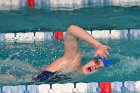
96 64
54 76
71 60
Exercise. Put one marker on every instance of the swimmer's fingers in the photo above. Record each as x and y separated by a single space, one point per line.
101 53
97 53
107 48
106 52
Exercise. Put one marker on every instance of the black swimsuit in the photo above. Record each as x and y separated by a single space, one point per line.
50 76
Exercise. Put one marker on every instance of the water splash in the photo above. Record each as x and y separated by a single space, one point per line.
16 71
127 65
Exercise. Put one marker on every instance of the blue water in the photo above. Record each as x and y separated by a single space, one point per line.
108 17
19 61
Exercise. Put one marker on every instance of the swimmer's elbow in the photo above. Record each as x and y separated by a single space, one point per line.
71 28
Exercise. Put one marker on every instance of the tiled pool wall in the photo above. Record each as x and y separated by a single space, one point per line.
17 4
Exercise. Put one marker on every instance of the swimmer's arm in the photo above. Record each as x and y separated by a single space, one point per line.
71 46
74 33
82 34
79 33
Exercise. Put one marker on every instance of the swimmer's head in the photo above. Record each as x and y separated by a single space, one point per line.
95 64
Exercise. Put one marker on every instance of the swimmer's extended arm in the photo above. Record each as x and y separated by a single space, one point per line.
71 42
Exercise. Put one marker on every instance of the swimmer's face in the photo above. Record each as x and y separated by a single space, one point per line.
92 66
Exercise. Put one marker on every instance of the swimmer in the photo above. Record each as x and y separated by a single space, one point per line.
71 60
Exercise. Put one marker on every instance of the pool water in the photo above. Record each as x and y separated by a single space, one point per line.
90 18
21 60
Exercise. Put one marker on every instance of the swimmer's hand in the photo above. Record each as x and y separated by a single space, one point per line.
102 51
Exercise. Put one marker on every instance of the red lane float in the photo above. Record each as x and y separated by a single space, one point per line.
105 87
58 35
31 3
